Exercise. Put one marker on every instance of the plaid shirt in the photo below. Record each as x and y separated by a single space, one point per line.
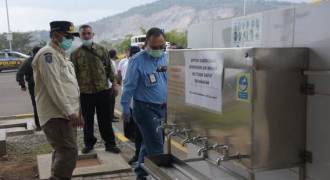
90 71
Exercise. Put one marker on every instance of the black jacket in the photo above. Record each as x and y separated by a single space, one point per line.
25 70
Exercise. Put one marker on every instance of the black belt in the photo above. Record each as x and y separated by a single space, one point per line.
161 106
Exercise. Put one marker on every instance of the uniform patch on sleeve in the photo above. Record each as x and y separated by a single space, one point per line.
48 58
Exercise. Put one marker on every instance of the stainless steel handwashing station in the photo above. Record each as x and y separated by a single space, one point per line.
246 106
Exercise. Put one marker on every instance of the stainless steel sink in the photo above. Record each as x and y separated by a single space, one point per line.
167 166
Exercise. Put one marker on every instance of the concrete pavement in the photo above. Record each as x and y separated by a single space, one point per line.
177 149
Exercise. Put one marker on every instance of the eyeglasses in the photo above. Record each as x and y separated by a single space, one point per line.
67 36
157 47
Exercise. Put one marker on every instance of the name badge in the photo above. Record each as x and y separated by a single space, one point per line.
152 78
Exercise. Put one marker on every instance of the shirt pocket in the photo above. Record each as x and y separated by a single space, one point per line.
151 80
66 72
64 69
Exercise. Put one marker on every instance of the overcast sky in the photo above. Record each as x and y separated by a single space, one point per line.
26 15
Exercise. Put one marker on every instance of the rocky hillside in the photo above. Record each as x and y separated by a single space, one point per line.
172 14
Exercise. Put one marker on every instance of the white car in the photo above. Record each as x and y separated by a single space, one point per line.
11 59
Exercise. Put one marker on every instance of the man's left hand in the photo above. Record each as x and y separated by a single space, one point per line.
76 121
126 117
114 89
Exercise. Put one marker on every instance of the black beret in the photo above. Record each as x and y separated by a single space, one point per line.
65 26
112 53
134 49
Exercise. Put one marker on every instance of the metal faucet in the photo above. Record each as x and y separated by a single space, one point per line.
231 157
200 138
162 122
176 132
164 126
217 146
185 141
187 133
173 133
203 149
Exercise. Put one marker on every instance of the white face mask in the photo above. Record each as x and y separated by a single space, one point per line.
87 42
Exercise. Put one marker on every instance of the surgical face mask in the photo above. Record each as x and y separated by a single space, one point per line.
87 42
156 53
66 43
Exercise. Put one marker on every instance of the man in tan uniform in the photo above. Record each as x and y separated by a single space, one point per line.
57 97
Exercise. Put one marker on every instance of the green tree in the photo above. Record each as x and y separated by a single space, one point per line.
3 42
106 44
41 43
124 45
19 43
143 30
179 38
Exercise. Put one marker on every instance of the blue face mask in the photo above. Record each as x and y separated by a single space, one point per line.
66 43
87 42
156 53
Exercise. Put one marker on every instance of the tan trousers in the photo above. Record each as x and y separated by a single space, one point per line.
63 138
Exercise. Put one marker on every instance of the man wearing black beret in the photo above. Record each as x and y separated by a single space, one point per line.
57 97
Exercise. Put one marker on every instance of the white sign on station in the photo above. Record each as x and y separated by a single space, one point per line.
246 31
203 79
9 36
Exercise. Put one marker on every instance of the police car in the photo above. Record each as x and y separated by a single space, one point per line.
11 60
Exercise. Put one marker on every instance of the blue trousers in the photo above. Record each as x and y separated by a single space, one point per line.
152 143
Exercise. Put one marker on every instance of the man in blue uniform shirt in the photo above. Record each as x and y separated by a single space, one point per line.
147 86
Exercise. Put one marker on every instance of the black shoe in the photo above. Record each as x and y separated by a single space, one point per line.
133 160
139 177
115 120
113 149
115 117
87 149
38 128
